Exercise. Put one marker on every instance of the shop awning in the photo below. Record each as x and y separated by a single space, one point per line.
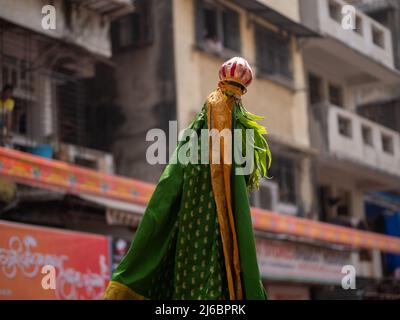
274 222
118 213
56 175
115 204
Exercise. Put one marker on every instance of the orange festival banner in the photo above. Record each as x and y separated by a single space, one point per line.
28 169
81 262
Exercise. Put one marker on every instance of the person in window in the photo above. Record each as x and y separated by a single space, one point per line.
213 43
195 240
6 108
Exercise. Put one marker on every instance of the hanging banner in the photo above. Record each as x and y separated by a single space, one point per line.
46 263
24 168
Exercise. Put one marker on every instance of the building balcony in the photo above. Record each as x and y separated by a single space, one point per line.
84 24
343 134
369 47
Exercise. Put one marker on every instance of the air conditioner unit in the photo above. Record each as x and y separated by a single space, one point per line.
85 157
266 197
287 208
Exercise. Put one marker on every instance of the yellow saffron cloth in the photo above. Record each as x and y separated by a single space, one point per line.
220 118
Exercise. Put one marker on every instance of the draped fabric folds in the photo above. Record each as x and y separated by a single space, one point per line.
195 240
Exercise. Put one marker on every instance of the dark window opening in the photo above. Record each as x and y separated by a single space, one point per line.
387 144
335 207
20 116
367 135
385 113
344 125
211 23
359 26
314 89
378 37
335 95
283 172
365 255
335 11
343 208
323 198
231 30
273 53
87 163
71 110
133 30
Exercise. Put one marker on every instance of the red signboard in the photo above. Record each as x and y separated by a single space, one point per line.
81 263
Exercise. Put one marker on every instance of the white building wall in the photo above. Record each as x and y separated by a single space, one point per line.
87 29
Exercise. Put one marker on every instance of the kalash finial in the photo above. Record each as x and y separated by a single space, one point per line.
235 75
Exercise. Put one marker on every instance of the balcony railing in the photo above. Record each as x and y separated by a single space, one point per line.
369 38
345 134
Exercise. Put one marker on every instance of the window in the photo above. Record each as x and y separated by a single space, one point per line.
87 163
387 144
359 26
273 53
367 135
344 125
335 204
344 203
10 70
324 194
283 173
335 95
314 89
385 113
378 37
217 27
381 16
335 11
70 99
22 116
16 71
133 30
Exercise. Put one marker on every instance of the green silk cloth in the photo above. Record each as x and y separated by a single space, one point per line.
177 252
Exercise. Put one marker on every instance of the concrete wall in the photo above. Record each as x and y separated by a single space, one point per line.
83 27
289 8
393 22
315 14
146 95
285 109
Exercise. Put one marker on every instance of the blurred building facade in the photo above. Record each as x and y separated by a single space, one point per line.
352 74
113 70
52 71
